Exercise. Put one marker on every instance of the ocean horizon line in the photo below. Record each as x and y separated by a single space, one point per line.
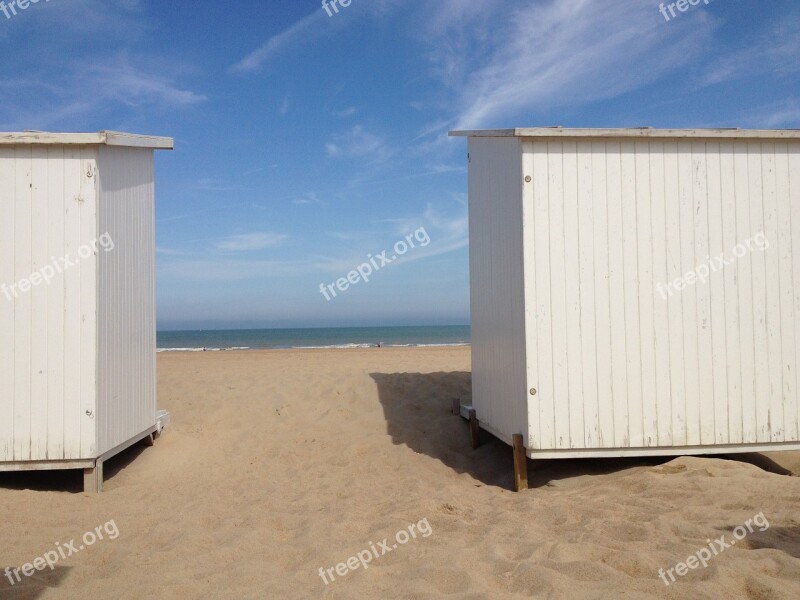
218 340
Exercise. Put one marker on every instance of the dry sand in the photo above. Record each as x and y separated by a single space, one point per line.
279 463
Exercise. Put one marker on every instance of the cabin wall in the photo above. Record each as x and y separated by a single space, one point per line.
621 362
497 297
48 213
126 310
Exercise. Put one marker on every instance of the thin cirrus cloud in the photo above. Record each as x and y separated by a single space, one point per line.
537 53
128 84
359 143
347 112
777 114
572 51
308 29
304 29
248 242
775 53
83 92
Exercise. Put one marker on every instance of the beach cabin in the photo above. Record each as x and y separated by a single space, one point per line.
77 299
635 292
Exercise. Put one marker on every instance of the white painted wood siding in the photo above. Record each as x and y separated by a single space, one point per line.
48 210
497 297
615 365
126 302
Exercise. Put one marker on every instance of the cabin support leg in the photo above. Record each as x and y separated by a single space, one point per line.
93 479
150 440
456 408
520 463
474 428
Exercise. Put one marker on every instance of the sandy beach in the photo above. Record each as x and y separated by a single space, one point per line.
280 465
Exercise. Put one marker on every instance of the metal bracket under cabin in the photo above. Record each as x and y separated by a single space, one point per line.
93 475
467 412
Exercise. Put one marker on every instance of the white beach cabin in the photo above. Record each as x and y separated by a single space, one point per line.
77 302
636 291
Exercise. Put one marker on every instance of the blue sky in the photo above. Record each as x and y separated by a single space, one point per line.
305 143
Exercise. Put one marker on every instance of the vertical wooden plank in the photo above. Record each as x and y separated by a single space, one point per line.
745 278
561 392
588 334
602 274
647 391
572 270
702 291
88 298
661 297
55 304
769 246
633 338
542 241
38 295
759 274
792 414
688 294
716 286
532 315
23 314
676 299
616 290
8 222
73 177
731 282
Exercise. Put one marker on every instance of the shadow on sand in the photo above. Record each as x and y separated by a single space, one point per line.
70 481
417 408
30 588
785 539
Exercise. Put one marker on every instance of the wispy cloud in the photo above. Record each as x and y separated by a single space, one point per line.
359 143
247 242
544 54
82 91
778 114
303 30
311 28
347 112
308 198
134 86
775 53
209 184
215 269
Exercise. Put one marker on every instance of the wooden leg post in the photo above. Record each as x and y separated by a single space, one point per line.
520 463
474 428
93 479
456 409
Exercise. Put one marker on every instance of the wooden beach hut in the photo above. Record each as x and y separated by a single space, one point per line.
635 292
77 299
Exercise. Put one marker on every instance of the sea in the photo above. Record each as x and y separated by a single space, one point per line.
339 337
